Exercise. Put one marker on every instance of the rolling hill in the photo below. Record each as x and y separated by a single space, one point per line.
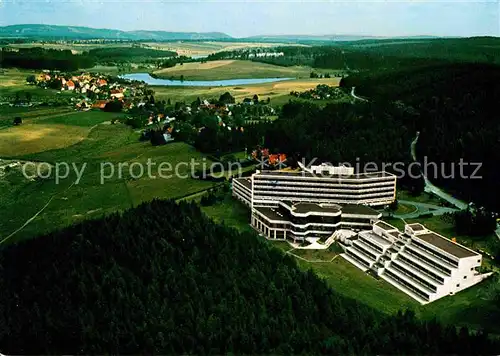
76 32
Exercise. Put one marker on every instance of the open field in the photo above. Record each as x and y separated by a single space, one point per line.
13 81
205 48
75 48
466 308
42 130
233 69
105 146
13 77
189 48
278 92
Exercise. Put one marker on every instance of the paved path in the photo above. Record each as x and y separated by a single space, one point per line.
431 188
355 96
422 208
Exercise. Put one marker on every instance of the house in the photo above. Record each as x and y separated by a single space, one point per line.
101 82
83 105
70 85
116 93
99 104
128 105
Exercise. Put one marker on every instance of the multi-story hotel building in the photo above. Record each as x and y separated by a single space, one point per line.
298 221
322 202
420 262
320 184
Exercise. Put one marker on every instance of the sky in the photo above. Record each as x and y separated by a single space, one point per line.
240 18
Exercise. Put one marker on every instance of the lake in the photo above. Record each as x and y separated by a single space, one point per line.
148 79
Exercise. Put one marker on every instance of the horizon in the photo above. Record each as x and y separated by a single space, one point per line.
240 19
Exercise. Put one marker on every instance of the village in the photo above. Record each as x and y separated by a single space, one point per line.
96 90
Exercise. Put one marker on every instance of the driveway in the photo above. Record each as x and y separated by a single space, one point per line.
422 208
431 188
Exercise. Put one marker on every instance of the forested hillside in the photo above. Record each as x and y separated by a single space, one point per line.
457 108
162 278
41 58
365 135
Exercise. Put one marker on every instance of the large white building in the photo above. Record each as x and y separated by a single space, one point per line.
420 262
318 205
319 184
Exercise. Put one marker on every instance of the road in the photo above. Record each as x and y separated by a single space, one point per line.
431 188
355 96
421 208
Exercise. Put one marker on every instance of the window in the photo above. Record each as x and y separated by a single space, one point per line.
472 269
465 277
458 285
478 261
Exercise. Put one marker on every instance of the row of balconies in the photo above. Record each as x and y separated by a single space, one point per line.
430 260
291 195
306 178
414 276
326 189
448 261
406 286
262 199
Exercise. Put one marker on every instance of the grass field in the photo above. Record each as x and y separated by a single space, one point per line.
13 81
207 47
278 92
233 69
189 48
48 129
105 146
466 308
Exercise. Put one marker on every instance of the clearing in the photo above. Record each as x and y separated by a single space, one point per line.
21 199
278 92
46 129
234 69
204 48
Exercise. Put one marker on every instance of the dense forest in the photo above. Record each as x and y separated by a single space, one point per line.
377 54
457 107
40 58
65 60
126 54
163 278
365 135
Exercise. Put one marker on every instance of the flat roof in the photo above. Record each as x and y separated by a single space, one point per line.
385 226
246 182
358 209
270 213
304 207
417 227
394 234
326 176
446 245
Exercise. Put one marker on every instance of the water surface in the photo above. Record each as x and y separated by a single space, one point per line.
148 79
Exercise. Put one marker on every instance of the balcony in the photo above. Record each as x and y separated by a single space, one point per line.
427 270
360 255
408 288
429 259
363 245
415 274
